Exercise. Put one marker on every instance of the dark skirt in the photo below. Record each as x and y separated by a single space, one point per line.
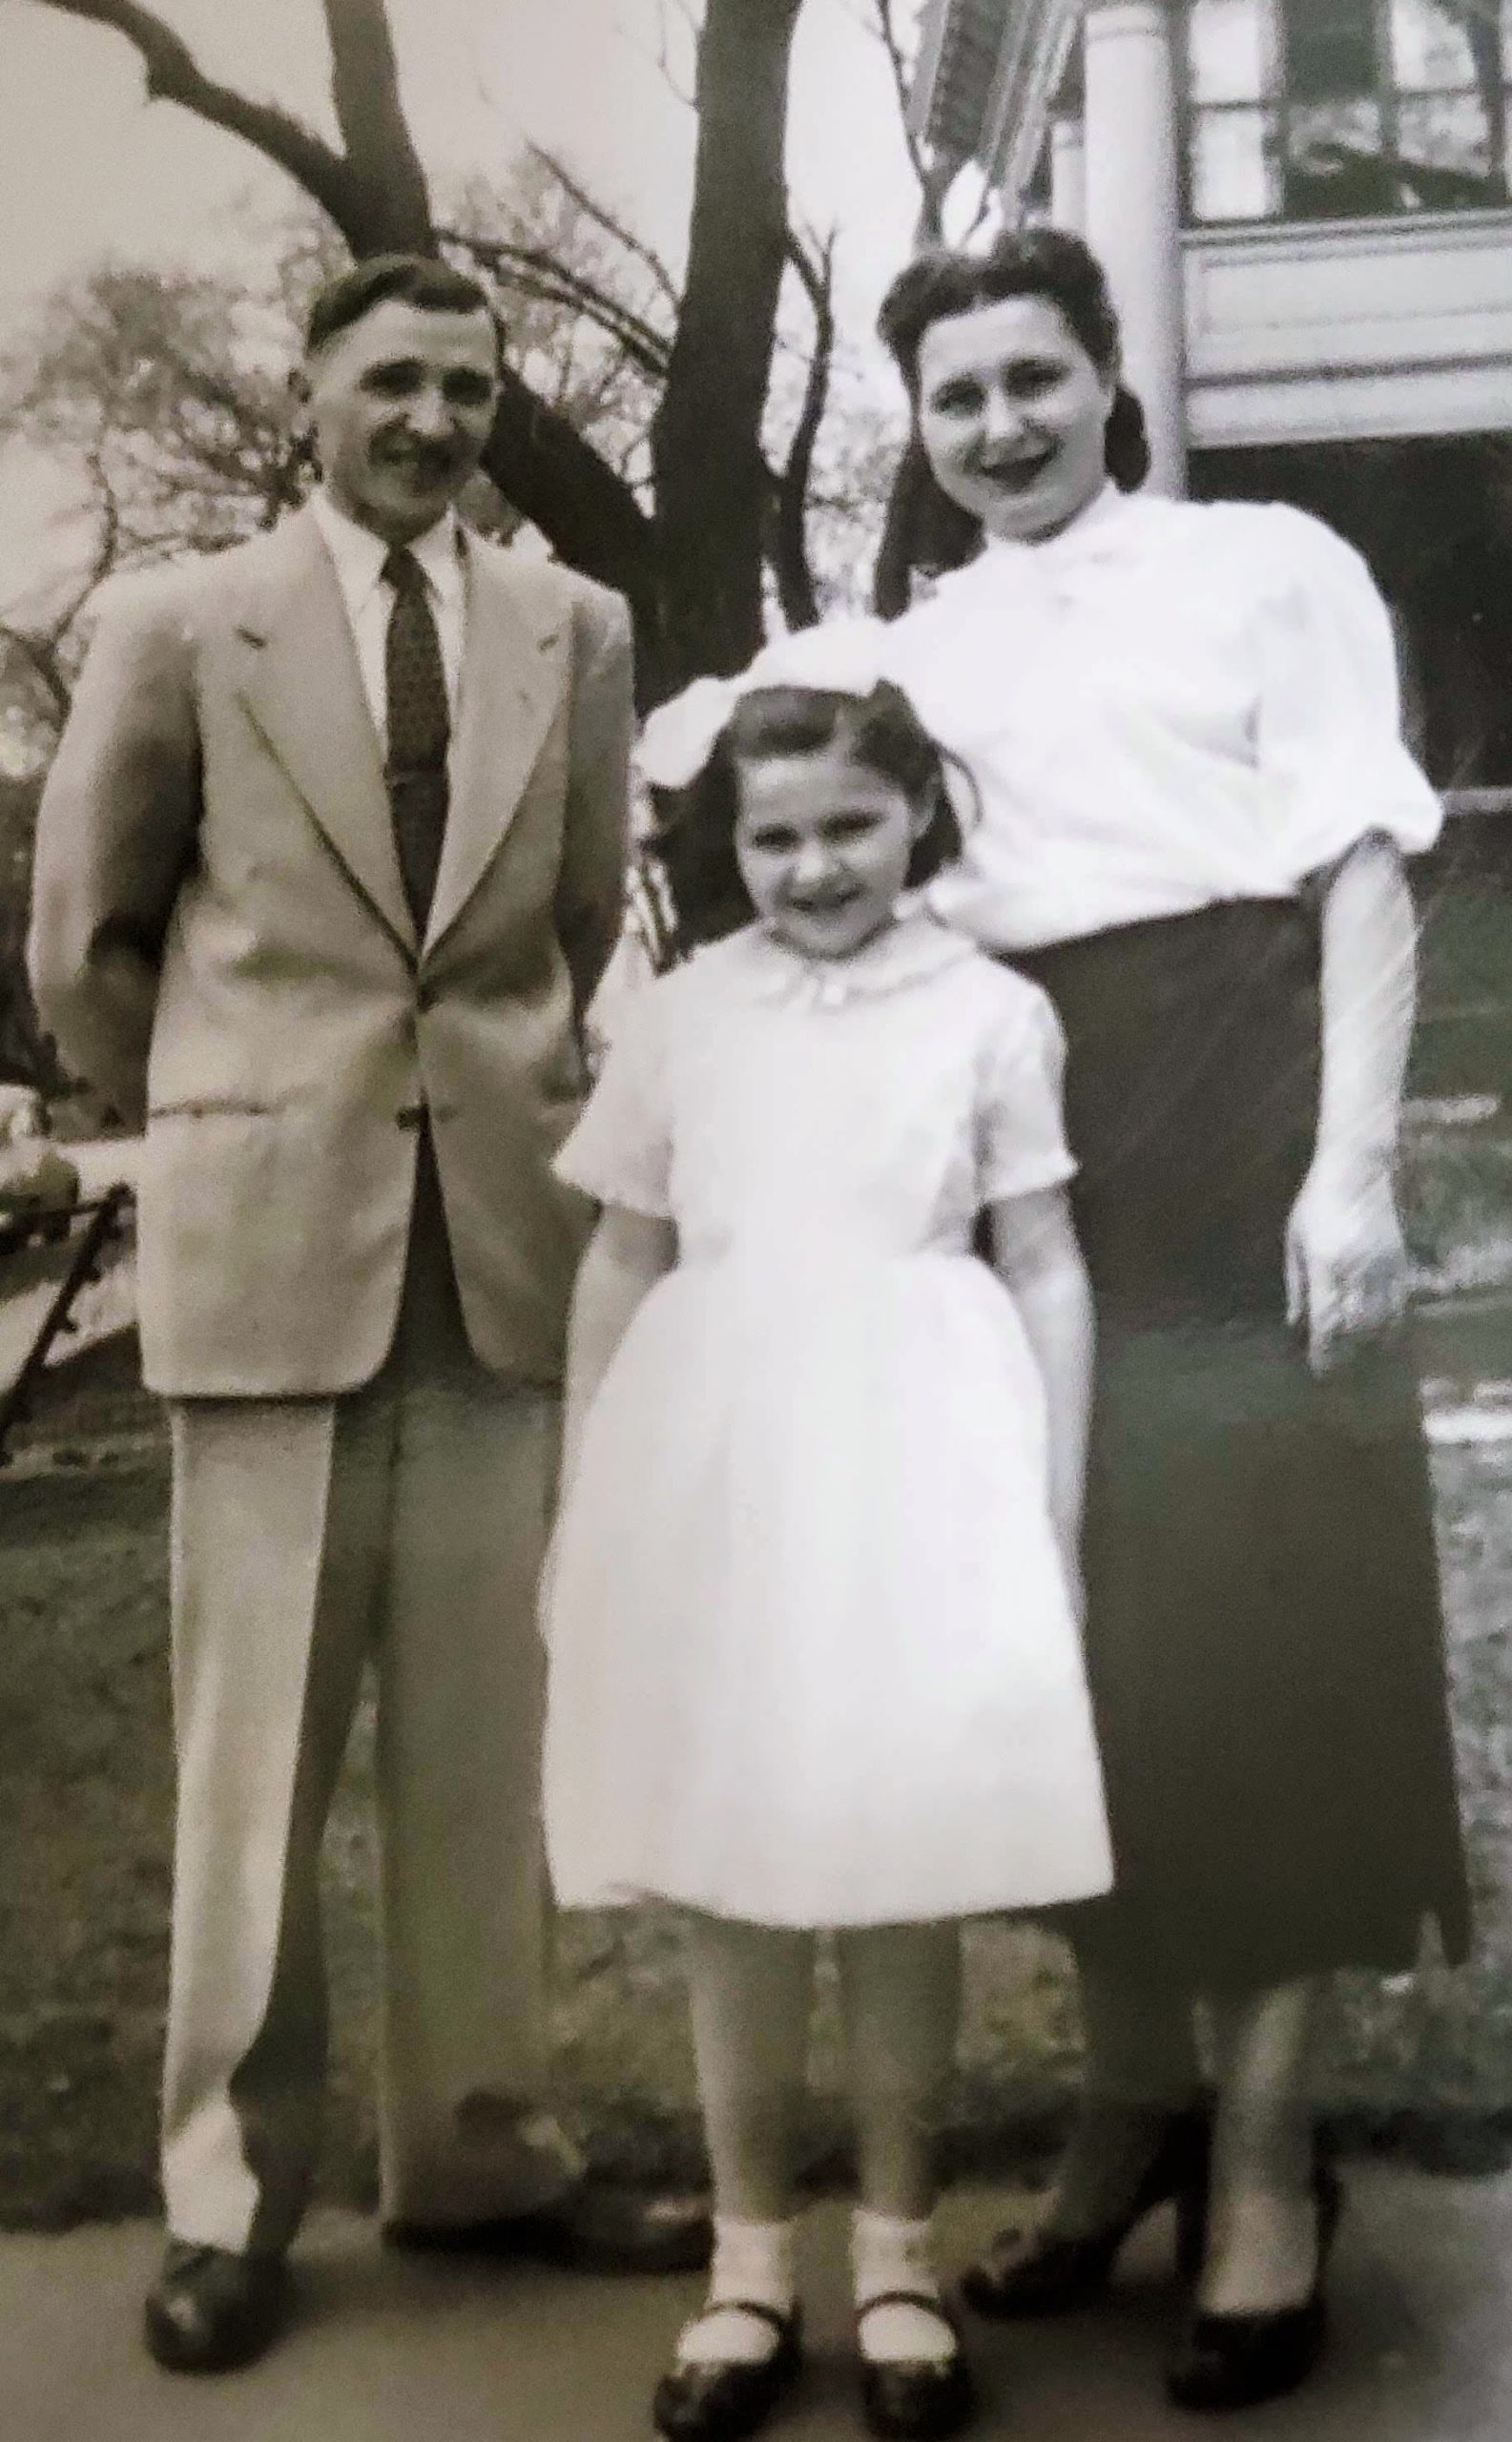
1265 1638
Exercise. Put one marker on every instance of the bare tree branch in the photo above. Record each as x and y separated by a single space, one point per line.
380 149
934 178
106 550
591 206
174 75
542 273
683 10
42 656
788 548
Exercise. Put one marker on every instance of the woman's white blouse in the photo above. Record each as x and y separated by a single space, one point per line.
1168 704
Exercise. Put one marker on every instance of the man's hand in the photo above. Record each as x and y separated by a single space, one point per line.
34 1177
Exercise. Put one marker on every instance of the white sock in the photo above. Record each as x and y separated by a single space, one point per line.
887 2254
755 2260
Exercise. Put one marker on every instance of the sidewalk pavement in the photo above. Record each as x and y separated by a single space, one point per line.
391 2349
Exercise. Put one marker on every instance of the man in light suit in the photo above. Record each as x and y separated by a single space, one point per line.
328 865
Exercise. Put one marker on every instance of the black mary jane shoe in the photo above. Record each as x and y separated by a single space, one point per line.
731 2398
210 2311
1048 2274
919 2399
1225 2362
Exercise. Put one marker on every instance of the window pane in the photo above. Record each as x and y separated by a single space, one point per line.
1431 48
1335 167
1235 169
1330 47
1230 51
1446 157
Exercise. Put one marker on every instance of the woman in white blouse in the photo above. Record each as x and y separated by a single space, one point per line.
1182 725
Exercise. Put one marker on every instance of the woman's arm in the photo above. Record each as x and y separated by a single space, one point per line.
628 1253
1346 1266
1036 1256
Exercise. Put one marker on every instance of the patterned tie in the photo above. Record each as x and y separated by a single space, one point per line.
419 731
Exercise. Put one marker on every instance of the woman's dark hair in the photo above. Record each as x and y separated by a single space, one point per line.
926 530
1051 263
695 827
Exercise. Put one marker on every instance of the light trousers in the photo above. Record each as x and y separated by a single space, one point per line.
403 1523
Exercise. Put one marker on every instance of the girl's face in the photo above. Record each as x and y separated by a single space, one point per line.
1012 413
823 845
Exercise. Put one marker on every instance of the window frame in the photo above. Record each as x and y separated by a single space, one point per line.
1277 111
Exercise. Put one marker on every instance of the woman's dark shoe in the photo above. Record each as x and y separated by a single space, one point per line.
918 2399
721 2401
1238 2361
210 2311
1047 2274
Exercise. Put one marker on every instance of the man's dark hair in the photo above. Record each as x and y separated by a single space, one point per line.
410 279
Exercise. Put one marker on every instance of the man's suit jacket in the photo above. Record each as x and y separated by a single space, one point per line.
220 941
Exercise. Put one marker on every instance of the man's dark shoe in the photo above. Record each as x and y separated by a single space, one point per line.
598 2229
210 2311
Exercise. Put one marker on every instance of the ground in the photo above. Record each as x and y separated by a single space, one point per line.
85 1772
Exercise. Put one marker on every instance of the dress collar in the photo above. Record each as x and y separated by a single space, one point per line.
1115 524
908 951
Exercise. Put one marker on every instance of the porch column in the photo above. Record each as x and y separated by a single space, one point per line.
1133 207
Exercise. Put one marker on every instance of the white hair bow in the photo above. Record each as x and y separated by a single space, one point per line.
841 658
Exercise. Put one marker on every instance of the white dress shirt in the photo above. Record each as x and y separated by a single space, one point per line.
1169 703
358 558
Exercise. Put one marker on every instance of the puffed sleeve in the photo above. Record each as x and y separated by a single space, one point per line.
1329 737
1021 1127
620 1150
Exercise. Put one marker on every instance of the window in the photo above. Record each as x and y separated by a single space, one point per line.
1324 108
1330 49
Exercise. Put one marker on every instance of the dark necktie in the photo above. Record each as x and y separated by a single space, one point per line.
419 731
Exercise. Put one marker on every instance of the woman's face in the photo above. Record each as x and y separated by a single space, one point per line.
1011 414
824 845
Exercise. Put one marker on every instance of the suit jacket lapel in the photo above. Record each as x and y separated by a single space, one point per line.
305 690
511 684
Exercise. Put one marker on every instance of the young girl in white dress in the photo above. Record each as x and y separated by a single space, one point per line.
814 1660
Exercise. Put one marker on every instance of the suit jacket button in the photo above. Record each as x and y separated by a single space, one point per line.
411 1116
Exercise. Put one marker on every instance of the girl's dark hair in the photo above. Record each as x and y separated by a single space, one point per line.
695 827
926 530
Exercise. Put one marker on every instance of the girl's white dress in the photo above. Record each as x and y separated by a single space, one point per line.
812 1657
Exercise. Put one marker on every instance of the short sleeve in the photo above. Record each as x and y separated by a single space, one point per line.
1329 737
620 1150
1021 1127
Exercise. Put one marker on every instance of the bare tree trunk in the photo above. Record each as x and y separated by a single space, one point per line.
391 197
712 482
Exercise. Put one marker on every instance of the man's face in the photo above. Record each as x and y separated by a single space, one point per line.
402 402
